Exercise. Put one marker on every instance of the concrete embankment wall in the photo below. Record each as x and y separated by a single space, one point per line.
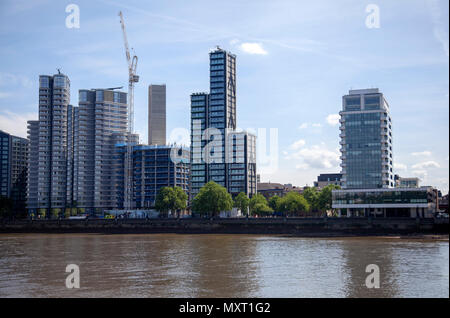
291 226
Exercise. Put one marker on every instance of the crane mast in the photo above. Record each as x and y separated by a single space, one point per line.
132 78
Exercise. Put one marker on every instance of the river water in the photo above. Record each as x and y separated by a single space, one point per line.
166 265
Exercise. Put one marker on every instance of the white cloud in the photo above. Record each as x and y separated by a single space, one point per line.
426 164
306 125
303 126
440 24
421 174
253 48
425 153
316 156
9 79
4 95
234 41
16 124
400 166
333 119
298 144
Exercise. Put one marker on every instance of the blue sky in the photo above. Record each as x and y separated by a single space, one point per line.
295 60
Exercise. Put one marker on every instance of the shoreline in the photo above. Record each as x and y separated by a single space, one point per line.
297 227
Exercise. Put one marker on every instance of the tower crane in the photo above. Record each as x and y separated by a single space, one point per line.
132 78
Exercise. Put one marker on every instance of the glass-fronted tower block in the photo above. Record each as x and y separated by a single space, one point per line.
199 120
366 140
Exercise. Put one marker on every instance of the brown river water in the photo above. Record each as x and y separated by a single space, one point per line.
173 265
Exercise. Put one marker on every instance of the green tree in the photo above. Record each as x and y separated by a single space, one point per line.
55 213
241 202
42 213
325 197
179 200
274 203
293 202
258 205
170 199
6 207
74 208
312 196
74 211
212 199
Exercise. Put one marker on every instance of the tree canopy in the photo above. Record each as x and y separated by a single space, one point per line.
6 206
258 205
170 199
212 199
274 203
293 203
312 196
241 202
325 197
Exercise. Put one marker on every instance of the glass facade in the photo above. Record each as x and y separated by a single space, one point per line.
154 167
366 141
214 155
380 197
5 166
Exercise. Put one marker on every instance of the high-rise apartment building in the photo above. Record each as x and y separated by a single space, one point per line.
51 142
157 114
154 167
214 136
102 123
13 169
199 111
366 140
33 166
241 163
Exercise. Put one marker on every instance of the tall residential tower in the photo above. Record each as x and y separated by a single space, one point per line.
13 169
366 140
157 114
102 123
216 147
49 136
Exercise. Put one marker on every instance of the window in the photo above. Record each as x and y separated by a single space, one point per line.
116 97
44 81
59 81
99 96
82 96
352 103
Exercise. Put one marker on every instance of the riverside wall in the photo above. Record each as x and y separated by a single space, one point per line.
314 227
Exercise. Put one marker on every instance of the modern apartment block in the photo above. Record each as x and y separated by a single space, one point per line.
102 123
401 182
366 140
13 169
154 167
400 202
48 187
241 163
5 164
157 114
325 179
214 140
199 171
33 166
